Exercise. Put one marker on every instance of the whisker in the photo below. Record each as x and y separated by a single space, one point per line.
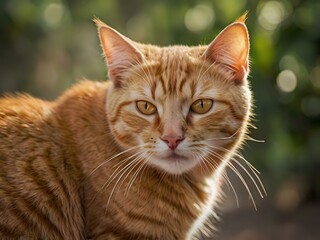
243 181
148 76
115 156
124 170
125 159
254 140
211 65
252 168
206 163
200 72
135 175
250 176
114 175
145 167
131 181
212 164
231 166
226 177
133 166
225 138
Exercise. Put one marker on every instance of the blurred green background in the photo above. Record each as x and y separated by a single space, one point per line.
48 45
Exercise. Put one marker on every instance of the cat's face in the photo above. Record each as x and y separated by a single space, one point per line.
177 107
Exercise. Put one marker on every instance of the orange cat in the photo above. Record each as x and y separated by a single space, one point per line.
137 157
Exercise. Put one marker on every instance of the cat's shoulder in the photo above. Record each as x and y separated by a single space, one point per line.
22 106
86 87
19 110
83 90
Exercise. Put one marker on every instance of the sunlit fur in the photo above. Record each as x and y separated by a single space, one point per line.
172 79
90 165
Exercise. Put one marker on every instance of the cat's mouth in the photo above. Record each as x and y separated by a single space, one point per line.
175 157
174 162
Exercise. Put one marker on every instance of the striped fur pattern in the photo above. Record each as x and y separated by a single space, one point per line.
90 165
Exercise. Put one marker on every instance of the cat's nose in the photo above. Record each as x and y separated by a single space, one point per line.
172 141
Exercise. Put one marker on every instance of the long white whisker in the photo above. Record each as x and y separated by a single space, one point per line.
115 156
225 138
135 175
125 159
137 161
254 140
147 160
250 176
226 177
252 168
116 172
235 171
122 171
204 160
113 175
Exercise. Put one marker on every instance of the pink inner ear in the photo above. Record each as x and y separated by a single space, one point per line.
120 52
231 48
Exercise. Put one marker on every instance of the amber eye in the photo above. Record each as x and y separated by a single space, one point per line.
146 108
202 106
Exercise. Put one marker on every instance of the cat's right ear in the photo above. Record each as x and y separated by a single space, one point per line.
120 52
231 49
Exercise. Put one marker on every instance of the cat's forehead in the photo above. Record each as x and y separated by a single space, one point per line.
173 64
172 53
174 72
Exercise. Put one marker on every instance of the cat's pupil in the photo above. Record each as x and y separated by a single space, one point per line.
201 102
146 106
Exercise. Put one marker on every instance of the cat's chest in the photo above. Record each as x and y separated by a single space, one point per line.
149 210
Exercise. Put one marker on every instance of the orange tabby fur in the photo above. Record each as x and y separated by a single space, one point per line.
71 169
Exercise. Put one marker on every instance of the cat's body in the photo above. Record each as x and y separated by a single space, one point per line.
48 179
95 165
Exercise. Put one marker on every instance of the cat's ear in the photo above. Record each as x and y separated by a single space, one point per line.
120 52
231 49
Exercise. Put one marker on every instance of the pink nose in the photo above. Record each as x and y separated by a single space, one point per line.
172 141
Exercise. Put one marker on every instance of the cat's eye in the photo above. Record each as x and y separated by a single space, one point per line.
202 106
146 107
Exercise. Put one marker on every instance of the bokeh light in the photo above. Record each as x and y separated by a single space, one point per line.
289 62
287 81
272 14
290 194
53 14
288 199
199 18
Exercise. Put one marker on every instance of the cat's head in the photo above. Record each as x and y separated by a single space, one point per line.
178 107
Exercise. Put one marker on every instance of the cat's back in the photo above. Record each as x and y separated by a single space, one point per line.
22 107
22 117
27 122
38 194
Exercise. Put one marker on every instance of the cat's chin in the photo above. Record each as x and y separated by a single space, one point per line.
174 163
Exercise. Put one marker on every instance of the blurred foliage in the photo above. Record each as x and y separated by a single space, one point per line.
47 45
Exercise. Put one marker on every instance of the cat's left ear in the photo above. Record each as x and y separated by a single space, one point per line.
120 52
231 49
